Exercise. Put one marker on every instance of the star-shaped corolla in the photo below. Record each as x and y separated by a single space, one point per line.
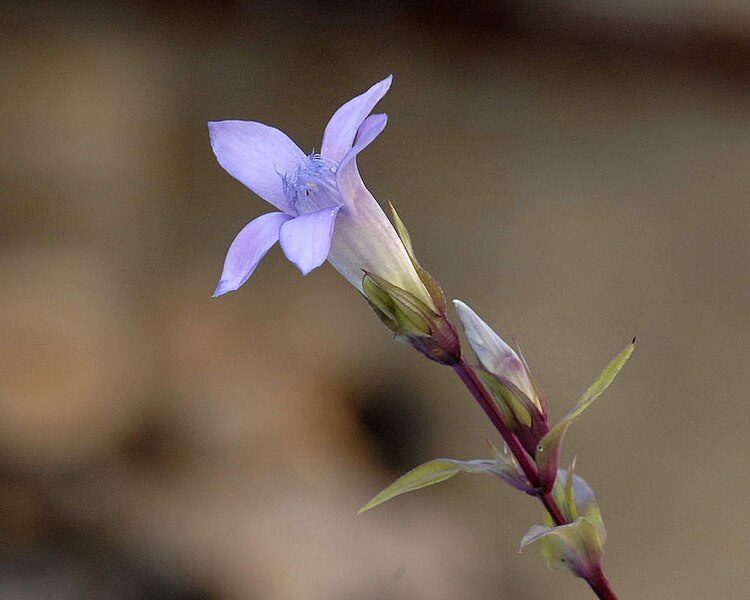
325 210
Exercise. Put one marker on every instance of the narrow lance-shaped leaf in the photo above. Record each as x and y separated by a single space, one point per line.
441 469
427 474
547 455
603 381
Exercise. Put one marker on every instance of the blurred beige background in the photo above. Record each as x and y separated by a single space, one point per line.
576 171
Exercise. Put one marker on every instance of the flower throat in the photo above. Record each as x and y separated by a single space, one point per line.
312 186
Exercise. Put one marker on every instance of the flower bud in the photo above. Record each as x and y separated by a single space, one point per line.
508 379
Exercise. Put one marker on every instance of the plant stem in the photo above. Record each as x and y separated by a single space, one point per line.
552 508
598 582
490 408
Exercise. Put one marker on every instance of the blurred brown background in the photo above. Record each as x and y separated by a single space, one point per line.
576 171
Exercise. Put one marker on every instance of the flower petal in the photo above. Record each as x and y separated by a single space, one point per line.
250 245
306 240
341 129
365 240
256 155
371 128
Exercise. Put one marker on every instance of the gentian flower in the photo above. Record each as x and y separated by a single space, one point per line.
325 210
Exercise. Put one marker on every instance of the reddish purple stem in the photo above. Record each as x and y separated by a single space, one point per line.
598 582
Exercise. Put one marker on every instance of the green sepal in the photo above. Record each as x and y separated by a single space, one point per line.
569 506
429 282
513 407
412 321
541 397
441 469
521 414
384 318
405 313
547 455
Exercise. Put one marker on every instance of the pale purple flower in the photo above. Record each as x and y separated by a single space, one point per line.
326 212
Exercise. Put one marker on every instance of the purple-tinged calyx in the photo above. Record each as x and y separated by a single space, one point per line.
420 322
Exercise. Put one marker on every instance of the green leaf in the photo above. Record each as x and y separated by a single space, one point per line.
606 377
427 474
547 456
